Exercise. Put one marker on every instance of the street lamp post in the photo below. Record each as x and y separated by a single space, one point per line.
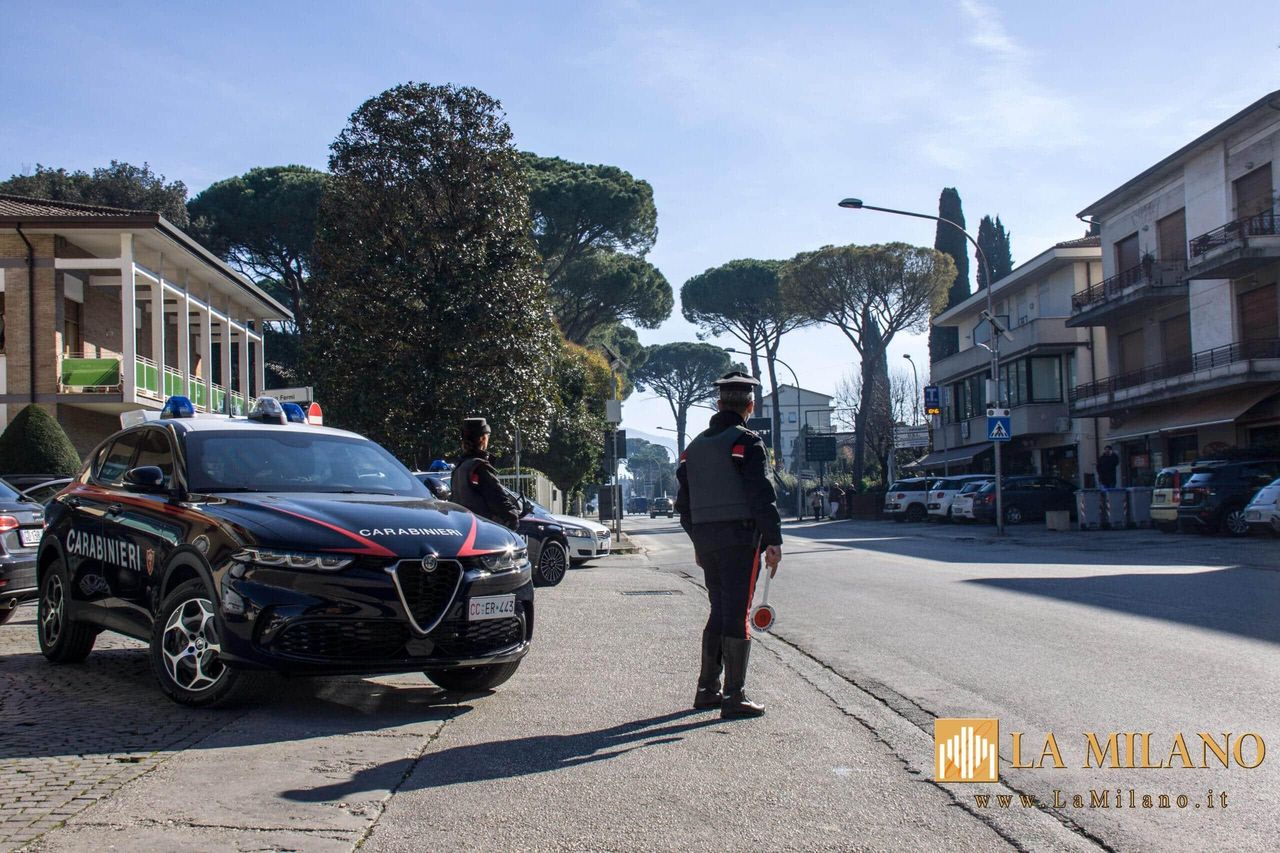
799 417
915 416
996 329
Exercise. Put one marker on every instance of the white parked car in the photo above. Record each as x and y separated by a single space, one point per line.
587 539
944 490
962 503
905 500
1263 512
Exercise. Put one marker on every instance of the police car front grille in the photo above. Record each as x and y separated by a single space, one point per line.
475 639
427 595
343 639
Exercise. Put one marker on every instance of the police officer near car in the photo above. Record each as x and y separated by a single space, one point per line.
728 507
474 482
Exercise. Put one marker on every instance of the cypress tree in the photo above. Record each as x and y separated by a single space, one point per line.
994 241
945 340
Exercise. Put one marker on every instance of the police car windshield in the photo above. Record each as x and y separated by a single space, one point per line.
294 461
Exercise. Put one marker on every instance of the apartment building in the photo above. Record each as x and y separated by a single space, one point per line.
108 310
797 408
1188 301
1038 367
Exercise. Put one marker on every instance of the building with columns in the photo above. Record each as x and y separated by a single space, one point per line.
107 310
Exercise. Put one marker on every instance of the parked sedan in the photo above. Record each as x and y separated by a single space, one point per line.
1263 512
1025 498
942 493
21 526
962 503
44 492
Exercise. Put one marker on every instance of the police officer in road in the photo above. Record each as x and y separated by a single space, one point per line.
727 506
474 481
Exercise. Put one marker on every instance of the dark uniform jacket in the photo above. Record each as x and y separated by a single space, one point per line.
475 485
727 499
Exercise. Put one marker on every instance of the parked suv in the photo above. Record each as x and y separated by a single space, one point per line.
907 499
1214 497
661 506
1167 495
1025 498
942 493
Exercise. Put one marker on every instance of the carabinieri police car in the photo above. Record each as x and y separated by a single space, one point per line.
239 547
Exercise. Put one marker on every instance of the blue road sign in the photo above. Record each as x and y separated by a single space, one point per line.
932 400
998 429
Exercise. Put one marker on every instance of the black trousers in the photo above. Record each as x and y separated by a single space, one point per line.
730 557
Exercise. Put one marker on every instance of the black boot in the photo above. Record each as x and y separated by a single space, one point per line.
736 704
709 695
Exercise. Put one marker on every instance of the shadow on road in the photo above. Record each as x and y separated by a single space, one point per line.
1030 545
1233 600
512 758
110 706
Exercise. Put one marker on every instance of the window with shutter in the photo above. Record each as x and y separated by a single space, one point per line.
1171 233
1253 192
1127 253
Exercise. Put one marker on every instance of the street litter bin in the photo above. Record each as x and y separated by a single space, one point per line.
1115 508
1140 505
1057 519
1089 509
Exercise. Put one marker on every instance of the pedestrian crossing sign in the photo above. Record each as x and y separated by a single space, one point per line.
998 429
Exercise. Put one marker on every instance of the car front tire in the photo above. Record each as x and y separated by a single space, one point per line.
186 646
553 562
469 679
1013 515
62 639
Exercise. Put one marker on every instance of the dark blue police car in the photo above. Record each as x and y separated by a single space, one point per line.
239 547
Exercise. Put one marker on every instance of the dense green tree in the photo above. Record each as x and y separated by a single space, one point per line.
117 185
683 374
603 287
743 299
624 341
945 340
577 207
35 443
994 242
651 464
264 223
581 386
871 294
430 304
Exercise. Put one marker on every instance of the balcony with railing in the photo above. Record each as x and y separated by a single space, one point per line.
1237 248
1140 287
1043 334
1232 365
89 375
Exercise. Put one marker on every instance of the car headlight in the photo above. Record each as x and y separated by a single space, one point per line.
577 532
292 559
504 561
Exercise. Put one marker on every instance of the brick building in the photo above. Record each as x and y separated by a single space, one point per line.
127 311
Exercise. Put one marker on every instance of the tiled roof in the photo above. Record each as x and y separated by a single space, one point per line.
1091 242
21 205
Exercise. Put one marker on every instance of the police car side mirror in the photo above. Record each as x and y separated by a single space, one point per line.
526 507
145 478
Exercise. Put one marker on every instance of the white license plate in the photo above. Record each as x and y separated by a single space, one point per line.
491 607
30 538
1253 515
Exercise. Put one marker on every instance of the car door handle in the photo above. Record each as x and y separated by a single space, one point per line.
73 502
114 509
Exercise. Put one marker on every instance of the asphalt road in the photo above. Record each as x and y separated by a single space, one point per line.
1054 632
592 746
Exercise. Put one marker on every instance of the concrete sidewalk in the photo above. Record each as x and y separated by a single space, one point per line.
590 746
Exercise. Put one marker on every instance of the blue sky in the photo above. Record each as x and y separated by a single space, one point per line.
751 120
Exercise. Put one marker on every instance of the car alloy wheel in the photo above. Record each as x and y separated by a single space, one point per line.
1235 523
1012 515
553 562
52 610
191 646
